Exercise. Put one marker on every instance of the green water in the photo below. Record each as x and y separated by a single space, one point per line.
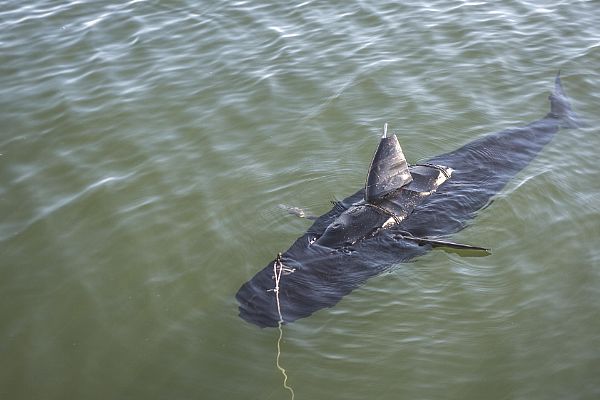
146 147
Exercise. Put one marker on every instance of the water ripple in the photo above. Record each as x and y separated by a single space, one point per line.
146 148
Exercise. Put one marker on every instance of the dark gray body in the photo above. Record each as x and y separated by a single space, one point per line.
322 275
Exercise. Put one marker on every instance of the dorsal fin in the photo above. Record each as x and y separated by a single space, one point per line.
388 170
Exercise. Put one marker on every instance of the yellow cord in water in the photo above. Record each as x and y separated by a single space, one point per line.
285 377
277 271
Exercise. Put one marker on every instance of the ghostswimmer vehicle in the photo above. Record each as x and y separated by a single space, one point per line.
402 212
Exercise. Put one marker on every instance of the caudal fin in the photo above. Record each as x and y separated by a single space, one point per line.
560 106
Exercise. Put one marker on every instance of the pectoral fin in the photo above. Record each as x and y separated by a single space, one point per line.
457 247
298 212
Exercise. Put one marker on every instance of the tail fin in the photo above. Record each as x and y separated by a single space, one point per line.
560 106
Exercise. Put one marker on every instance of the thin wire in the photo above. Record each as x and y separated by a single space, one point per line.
277 271
285 377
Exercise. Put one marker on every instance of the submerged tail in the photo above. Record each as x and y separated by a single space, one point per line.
560 106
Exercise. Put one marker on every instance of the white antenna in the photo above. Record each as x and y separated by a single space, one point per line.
384 130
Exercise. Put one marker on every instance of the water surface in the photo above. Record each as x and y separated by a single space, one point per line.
146 147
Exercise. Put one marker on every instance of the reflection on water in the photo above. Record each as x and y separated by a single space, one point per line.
145 149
